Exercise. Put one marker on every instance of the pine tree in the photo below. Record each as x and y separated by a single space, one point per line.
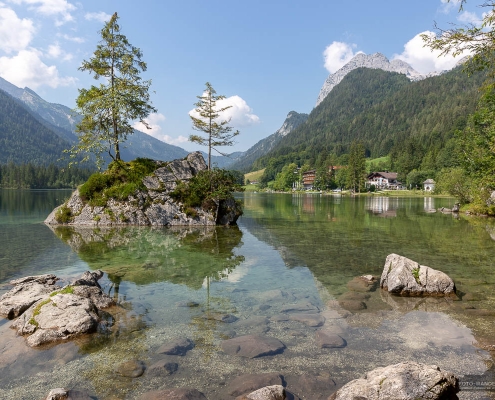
218 133
108 109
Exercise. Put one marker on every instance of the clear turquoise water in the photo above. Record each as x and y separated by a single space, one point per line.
289 251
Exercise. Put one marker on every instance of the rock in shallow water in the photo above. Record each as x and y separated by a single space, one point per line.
131 369
252 346
173 394
177 347
250 382
406 277
405 381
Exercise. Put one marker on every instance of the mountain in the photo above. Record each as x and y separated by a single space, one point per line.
61 121
412 121
244 162
23 138
373 61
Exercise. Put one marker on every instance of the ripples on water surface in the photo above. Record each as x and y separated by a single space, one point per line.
288 252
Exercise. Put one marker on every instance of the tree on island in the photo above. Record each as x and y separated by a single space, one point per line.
204 119
123 97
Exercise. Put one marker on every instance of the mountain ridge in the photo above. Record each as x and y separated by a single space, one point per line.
372 61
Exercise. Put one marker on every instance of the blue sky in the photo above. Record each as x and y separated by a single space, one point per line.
268 57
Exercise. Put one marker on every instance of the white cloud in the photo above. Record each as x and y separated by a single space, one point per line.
58 8
239 113
27 69
98 16
15 33
422 59
75 39
55 51
469 18
337 54
156 131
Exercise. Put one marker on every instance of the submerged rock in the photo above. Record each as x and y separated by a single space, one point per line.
173 394
406 381
275 392
251 382
153 205
406 277
177 347
252 346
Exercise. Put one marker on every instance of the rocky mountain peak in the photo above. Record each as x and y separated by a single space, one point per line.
375 61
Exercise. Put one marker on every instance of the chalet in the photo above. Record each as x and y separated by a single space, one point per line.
429 185
383 180
308 179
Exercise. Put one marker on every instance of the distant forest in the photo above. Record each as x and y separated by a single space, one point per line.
29 176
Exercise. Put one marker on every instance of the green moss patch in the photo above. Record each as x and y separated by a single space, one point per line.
119 181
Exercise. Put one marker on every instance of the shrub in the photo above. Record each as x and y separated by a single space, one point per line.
119 181
64 215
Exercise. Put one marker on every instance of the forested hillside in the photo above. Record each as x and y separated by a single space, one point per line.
23 139
413 122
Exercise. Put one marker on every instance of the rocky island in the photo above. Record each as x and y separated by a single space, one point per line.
155 193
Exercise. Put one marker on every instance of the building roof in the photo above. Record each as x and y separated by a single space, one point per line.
428 182
391 176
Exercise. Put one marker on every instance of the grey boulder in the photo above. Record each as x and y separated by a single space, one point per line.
406 277
405 381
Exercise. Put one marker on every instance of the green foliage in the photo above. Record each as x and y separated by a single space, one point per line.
119 181
415 178
412 122
286 178
415 273
63 215
30 176
109 109
455 182
205 189
217 133
356 169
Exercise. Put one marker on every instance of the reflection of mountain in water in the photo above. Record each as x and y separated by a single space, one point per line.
144 255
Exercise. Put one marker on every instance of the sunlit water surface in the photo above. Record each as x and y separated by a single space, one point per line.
289 252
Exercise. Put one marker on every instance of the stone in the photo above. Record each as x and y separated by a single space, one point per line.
300 307
152 205
252 346
251 382
60 314
275 392
328 340
364 283
406 277
405 381
177 347
65 394
25 293
59 317
312 320
352 305
310 386
173 394
131 369
162 368
226 318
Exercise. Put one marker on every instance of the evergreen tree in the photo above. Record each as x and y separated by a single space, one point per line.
218 133
356 168
108 109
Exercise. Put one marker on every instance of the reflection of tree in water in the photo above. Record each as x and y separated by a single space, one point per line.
145 255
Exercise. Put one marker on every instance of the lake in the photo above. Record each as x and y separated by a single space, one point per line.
290 254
